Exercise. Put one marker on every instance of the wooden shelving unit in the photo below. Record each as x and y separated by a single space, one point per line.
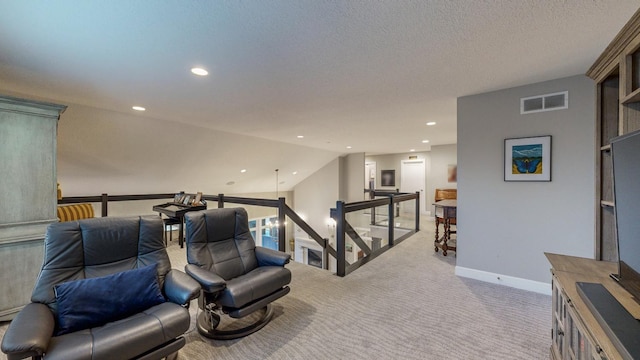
631 98
617 76
575 332
607 203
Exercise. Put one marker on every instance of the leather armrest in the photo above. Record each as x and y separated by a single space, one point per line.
180 288
210 282
29 333
270 257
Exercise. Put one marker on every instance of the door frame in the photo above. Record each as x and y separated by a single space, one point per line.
423 198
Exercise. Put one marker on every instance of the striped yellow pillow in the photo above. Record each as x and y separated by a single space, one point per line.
75 212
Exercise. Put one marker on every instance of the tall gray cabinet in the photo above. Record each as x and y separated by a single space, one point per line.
28 132
617 75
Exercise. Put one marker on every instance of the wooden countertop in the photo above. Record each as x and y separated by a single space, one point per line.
446 203
571 269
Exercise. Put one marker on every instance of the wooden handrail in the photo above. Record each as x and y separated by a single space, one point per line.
390 198
309 230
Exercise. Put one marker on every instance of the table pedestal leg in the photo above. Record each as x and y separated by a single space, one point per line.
445 237
181 233
437 240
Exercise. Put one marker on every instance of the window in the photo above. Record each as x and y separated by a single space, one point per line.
264 231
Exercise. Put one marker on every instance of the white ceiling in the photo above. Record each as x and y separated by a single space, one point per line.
368 74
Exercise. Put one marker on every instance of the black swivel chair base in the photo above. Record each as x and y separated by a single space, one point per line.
208 321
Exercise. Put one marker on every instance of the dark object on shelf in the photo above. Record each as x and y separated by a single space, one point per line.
237 278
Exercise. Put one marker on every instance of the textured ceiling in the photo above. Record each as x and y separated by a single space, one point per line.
368 74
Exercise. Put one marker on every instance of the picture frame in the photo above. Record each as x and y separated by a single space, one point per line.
452 173
197 199
527 159
388 177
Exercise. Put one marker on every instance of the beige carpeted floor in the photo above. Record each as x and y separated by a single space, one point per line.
406 304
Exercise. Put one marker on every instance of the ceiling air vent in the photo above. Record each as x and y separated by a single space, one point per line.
548 102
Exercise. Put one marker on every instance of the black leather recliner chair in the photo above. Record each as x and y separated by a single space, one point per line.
94 248
237 278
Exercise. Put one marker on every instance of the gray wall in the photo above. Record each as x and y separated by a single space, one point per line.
315 195
352 177
505 227
342 179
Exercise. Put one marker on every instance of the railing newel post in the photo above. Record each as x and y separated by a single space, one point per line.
372 196
220 201
391 221
417 211
105 207
325 254
340 239
282 246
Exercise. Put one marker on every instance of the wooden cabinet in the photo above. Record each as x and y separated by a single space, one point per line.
28 195
575 332
617 76
570 339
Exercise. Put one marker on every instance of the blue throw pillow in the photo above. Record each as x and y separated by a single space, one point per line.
84 304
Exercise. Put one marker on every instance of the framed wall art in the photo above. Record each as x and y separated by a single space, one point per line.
527 159
452 173
388 177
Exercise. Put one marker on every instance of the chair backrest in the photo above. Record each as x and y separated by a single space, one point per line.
97 247
218 240
445 194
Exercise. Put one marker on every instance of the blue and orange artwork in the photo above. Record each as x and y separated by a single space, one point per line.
526 159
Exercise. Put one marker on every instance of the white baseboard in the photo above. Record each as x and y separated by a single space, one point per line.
514 282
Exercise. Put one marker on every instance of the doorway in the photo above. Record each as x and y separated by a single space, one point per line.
412 180
369 176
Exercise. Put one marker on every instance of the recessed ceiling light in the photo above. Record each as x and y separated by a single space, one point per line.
295 173
348 147
199 71
243 170
138 108
300 136
425 141
412 150
431 123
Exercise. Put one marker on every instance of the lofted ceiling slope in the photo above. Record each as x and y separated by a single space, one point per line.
359 73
